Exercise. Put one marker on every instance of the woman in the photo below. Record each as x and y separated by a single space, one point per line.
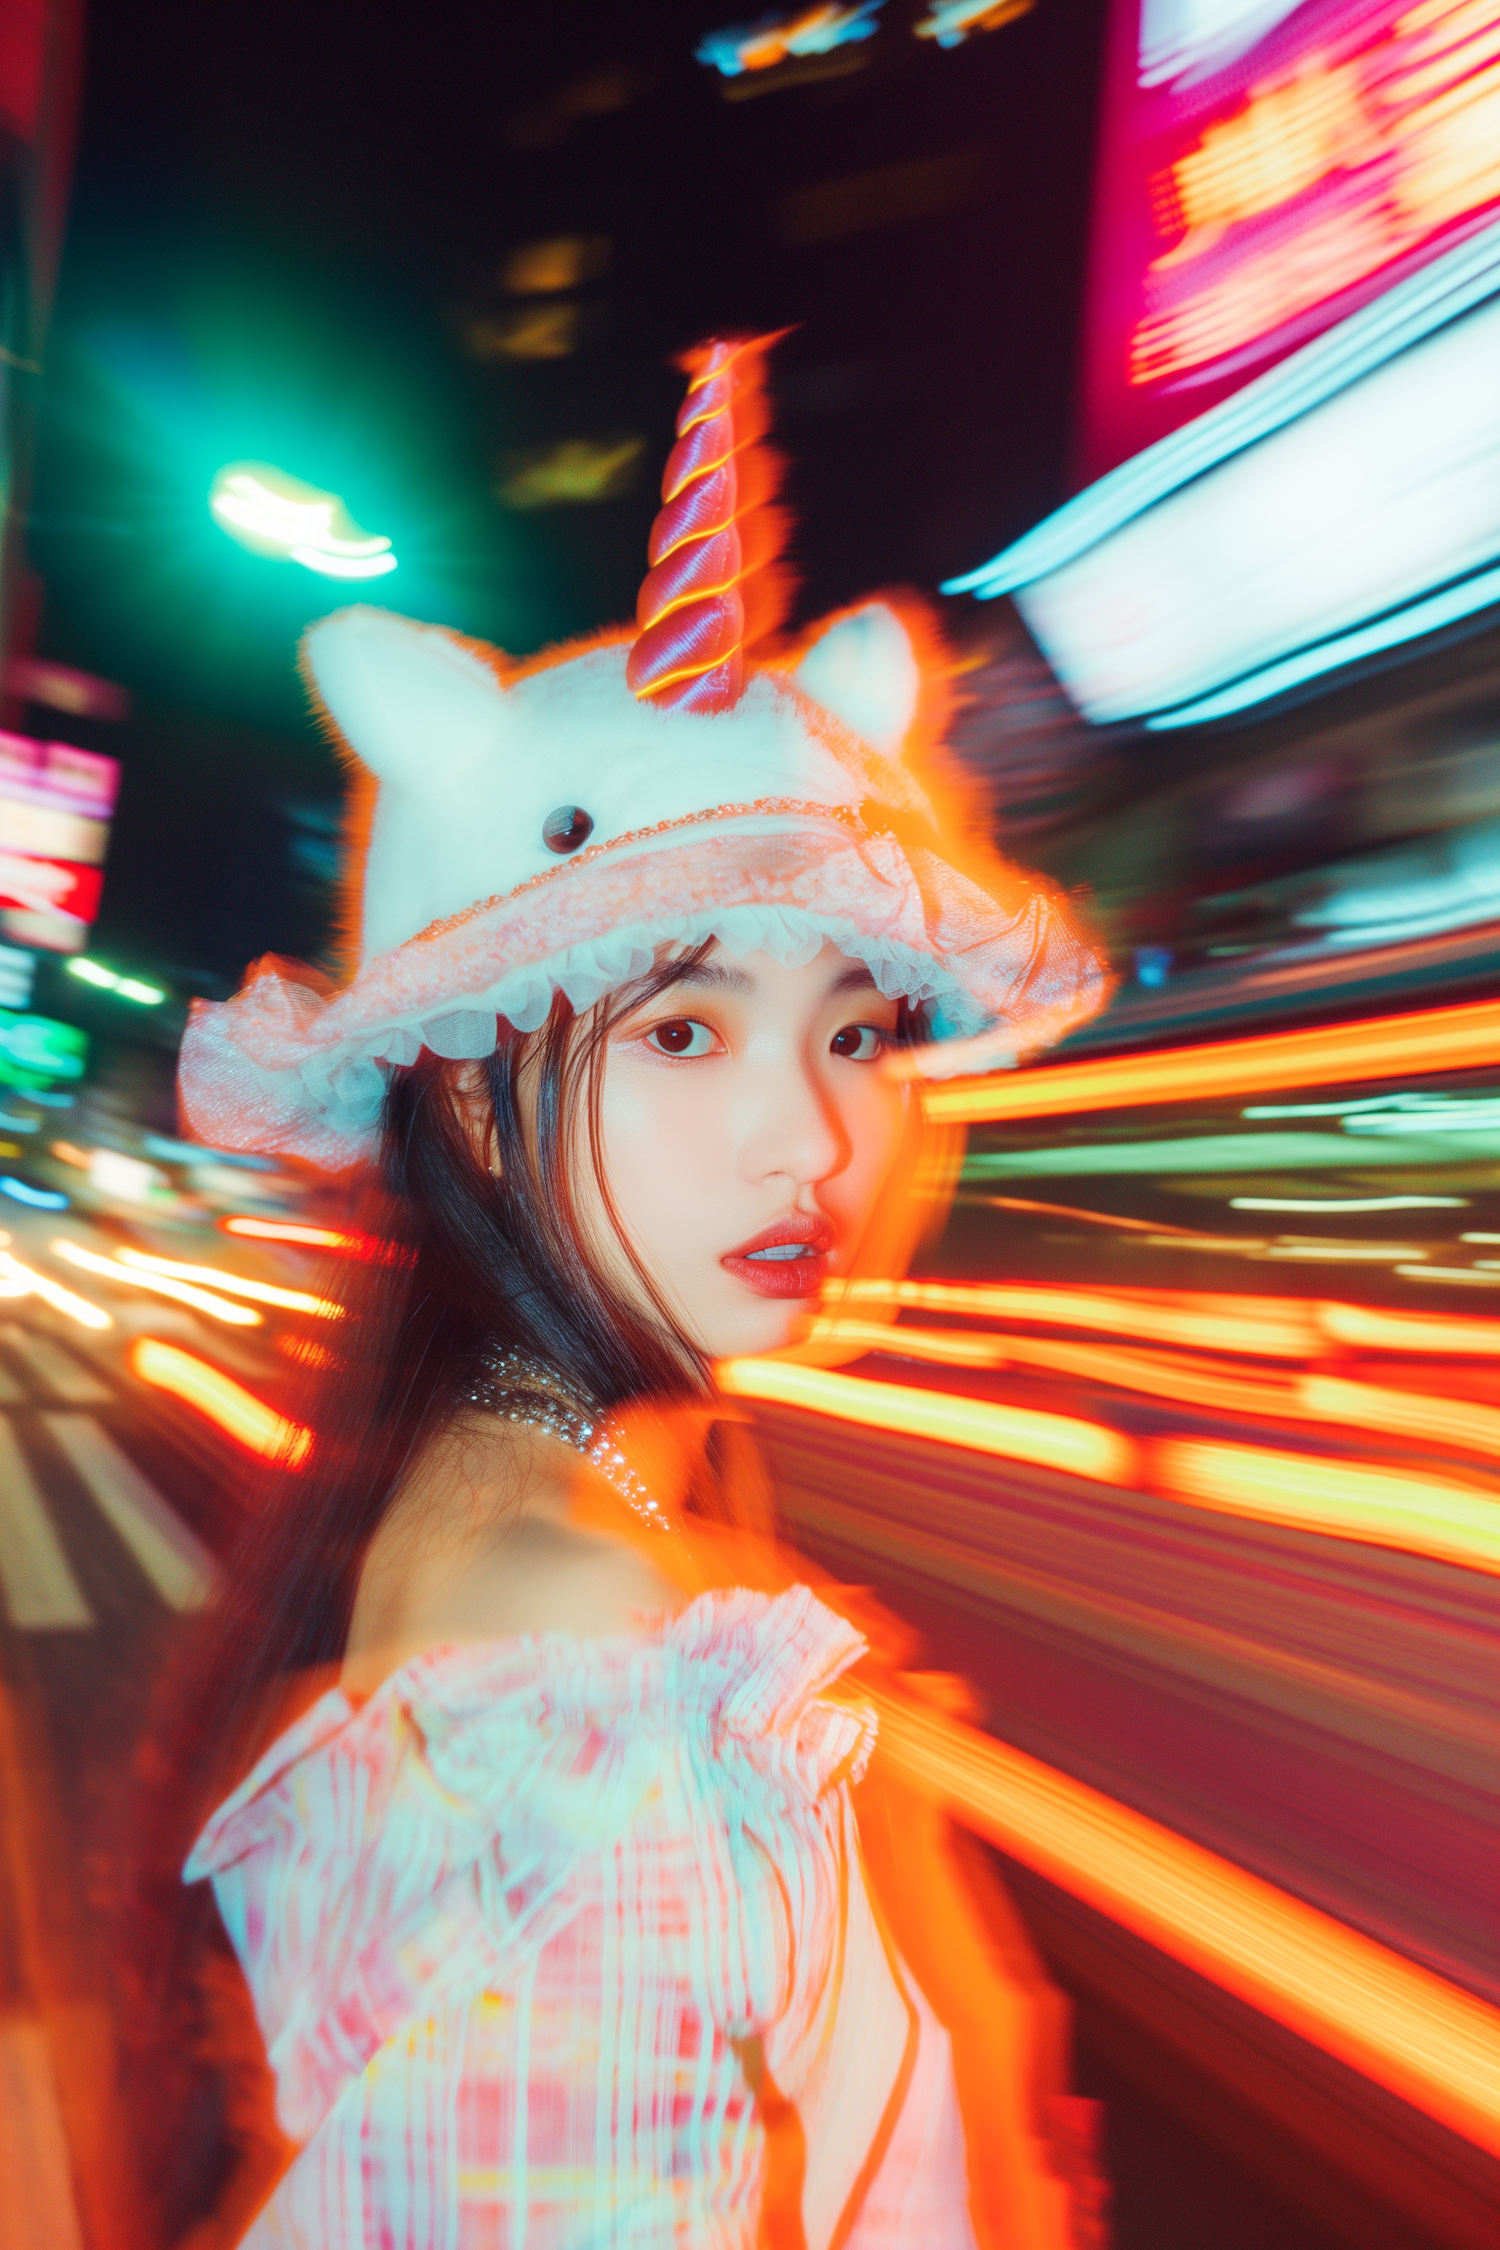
553 1906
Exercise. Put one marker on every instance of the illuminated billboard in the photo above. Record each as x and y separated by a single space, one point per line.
1264 170
55 807
1292 405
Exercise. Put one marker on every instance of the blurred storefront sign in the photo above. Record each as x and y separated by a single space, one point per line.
1290 360
1264 171
55 807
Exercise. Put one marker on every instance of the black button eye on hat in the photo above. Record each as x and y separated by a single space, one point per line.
566 827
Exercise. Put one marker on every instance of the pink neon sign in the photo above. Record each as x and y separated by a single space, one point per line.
1263 171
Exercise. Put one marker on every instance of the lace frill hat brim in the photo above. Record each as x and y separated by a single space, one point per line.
806 811
289 1068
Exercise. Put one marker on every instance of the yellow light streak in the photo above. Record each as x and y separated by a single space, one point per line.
260 1292
1409 1332
1437 1039
1017 1433
221 1400
19 1281
1423 2039
202 1300
1444 1421
1424 1515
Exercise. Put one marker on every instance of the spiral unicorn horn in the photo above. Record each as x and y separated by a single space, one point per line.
709 590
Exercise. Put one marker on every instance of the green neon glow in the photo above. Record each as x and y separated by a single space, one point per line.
1234 1152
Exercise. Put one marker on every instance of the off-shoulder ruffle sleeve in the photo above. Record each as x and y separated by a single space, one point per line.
380 1861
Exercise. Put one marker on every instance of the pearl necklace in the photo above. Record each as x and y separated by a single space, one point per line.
521 1390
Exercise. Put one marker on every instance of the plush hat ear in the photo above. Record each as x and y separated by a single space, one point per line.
864 670
418 705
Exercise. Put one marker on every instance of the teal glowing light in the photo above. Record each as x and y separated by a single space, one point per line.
274 514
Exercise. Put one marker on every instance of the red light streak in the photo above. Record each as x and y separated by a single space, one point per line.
1427 2041
224 1402
1437 1039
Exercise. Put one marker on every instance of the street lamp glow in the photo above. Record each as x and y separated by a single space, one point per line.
272 513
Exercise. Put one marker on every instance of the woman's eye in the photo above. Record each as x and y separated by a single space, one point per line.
858 1042
681 1037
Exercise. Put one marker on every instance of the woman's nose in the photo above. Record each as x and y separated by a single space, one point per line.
790 1128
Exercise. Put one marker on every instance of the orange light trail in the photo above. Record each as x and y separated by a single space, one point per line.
1423 1515
1457 1423
1444 1421
1374 1331
20 1281
1254 1327
1251 1327
202 1300
1017 1433
1437 1039
261 1292
953 1347
1423 2039
309 1237
224 1402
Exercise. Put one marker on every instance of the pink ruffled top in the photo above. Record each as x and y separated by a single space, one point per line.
545 1935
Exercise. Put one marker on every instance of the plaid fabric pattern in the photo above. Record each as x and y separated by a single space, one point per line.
566 1944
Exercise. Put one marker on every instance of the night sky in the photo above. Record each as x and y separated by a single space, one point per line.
289 240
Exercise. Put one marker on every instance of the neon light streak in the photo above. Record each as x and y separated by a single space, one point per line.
1456 1423
221 1400
260 1292
1436 1039
201 1300
1470 1274
38 1199
1383 1507
953 1347
1374 1331
1016 1433
272 513
341 566
17 1280
1427 2041
292 1230
109 980
1429 616
1446 1421
1254 1327
1322 1203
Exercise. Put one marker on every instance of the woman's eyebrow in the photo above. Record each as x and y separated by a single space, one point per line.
856 978
713 976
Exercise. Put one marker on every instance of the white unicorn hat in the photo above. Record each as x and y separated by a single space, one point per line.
524 830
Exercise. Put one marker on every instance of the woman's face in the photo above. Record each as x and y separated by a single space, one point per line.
747 1130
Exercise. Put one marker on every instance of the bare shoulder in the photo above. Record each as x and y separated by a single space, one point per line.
483 1543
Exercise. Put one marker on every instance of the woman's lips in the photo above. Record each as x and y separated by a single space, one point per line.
792 1258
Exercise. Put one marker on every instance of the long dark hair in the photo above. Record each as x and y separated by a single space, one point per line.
483 1250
